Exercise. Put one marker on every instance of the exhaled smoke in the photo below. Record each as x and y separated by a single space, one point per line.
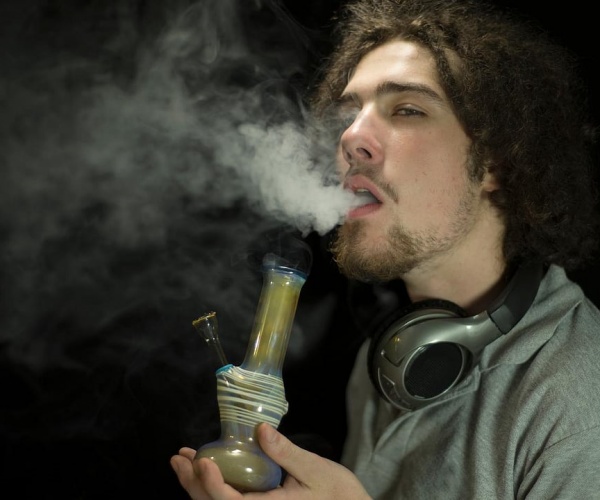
208 119
283 179
138 170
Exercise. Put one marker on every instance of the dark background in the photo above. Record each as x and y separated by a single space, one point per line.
102 377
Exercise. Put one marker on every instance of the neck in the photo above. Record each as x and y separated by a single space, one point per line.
471 276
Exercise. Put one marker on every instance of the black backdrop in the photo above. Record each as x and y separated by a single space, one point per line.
101 373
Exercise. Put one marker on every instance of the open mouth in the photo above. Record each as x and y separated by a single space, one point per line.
367 199
364 197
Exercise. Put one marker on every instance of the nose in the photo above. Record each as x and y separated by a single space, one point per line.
359 142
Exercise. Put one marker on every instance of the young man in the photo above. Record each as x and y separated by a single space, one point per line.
466 140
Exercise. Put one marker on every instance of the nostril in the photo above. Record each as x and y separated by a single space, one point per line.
358 154
347 155
363 153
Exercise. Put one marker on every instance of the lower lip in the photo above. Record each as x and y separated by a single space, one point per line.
364 210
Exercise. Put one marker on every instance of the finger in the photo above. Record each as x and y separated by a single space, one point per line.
299 463
213 481
183 466
189 453
309 475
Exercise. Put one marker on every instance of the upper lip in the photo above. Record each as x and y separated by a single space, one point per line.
359 182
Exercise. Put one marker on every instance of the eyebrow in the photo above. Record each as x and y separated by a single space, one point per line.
390 87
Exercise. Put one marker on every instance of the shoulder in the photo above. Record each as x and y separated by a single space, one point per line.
566 469
556 354
561 381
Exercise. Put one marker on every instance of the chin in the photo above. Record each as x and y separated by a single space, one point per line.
374 258
359 258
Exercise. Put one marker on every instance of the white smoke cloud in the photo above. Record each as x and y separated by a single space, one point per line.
187 146
283 179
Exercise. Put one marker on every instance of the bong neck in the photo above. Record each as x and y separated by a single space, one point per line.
274 320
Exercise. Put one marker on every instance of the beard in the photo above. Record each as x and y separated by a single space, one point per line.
390 260
398 252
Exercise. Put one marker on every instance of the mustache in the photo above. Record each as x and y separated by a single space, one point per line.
374 175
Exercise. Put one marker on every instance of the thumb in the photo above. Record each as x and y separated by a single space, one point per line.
296 461
309 475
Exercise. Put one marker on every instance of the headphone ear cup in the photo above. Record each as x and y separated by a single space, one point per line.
381 328
422 351
430 370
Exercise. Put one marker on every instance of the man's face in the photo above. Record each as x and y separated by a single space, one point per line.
405 147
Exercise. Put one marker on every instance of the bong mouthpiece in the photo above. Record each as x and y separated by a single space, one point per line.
207 327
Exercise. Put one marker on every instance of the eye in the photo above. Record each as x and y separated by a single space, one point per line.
407 111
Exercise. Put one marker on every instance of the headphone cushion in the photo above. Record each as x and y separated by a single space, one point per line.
421 307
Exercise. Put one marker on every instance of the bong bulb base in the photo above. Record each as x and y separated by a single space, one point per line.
244 465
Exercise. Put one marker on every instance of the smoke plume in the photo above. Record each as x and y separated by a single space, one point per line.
142 161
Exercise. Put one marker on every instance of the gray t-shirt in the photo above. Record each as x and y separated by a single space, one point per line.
525 424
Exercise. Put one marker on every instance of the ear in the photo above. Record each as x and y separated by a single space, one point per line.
489 182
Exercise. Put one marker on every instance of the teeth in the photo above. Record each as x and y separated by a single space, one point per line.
365 196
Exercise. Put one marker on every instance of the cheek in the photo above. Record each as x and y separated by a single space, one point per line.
440 163
440 191
430 175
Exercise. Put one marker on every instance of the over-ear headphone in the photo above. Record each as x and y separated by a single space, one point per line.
419 353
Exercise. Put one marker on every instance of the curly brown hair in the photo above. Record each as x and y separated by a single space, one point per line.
519 97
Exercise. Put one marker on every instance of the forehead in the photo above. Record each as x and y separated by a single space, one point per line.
396 60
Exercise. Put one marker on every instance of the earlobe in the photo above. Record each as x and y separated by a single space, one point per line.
490 183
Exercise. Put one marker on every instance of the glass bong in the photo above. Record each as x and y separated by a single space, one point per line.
254 392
